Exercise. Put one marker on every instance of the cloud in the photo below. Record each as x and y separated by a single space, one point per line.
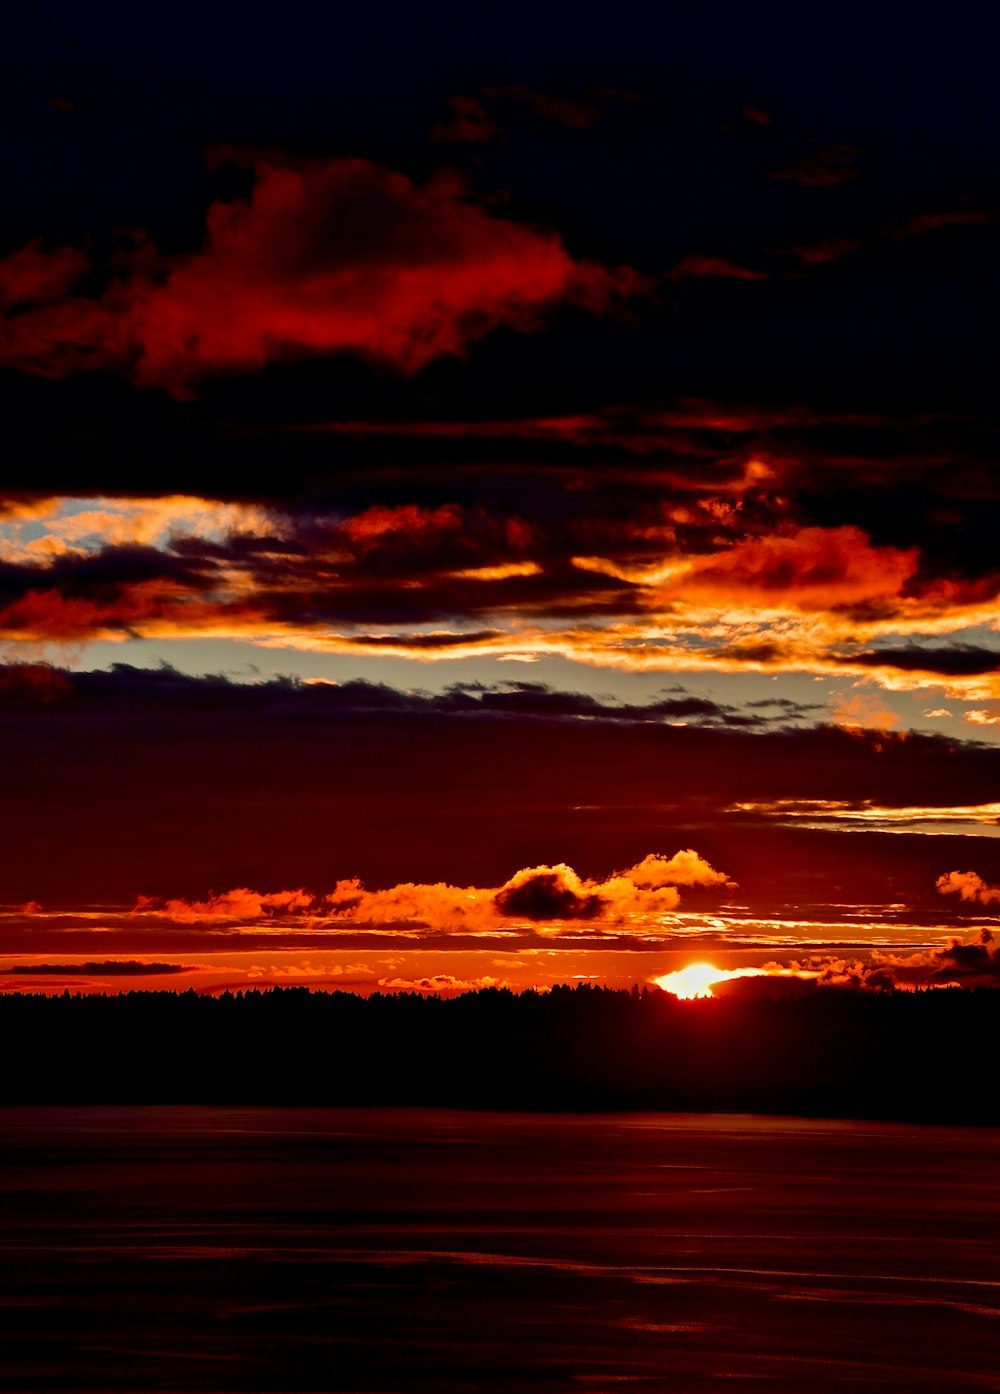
455 579
811 568
439 984
827 250
549 893
50 528
324 256
469 124
685 868
150 780
563 110
969 886
719 517
33 276
933 222
952 660
538 894
831 164
695 264
109 968
959 964
235 905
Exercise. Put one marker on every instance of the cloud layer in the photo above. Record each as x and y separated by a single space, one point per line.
323 256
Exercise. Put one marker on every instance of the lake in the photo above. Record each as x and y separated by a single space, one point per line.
171 1248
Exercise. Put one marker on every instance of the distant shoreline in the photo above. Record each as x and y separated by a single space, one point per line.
831 1053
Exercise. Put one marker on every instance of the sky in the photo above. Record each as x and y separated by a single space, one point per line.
498 496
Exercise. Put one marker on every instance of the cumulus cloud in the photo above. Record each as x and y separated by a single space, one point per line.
538 894
237 904
549 893
959 964
324 256
969 886
685 868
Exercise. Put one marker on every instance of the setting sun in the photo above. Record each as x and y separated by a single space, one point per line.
697 978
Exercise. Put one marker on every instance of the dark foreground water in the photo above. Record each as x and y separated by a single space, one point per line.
261 1249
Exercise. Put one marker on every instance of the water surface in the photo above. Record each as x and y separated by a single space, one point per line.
394 1250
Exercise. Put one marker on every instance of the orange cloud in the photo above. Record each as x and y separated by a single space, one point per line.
537 894
957 964
812 568
969 886
49 528
326 255
863 711
234 905
685 868
440 984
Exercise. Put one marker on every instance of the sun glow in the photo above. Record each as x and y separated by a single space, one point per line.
696 979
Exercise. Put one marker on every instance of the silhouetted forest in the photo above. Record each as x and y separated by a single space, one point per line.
829 1052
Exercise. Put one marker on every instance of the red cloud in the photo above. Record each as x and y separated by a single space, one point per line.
817 567
833 164
961 217
694 264
32 276
324 256
469 123
576 115
408 520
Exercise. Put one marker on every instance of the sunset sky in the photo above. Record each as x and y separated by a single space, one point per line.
498 495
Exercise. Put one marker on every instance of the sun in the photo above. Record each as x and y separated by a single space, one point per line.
693 981
697 978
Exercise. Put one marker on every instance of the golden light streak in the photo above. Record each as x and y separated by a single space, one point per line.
900 818
498 573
